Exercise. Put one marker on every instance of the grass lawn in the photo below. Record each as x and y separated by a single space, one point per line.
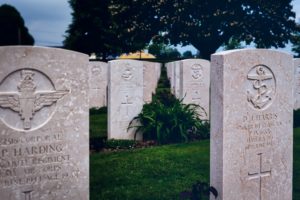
98 123
153 173
160 172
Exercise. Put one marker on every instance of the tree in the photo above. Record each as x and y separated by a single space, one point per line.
206 24
13 30
104 27
162 51
209 24
296 42
233 43
187 54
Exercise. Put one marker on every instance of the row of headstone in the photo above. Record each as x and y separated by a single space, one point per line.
98 80
124 86
190 81
44 112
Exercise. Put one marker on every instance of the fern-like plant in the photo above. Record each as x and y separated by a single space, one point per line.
167 120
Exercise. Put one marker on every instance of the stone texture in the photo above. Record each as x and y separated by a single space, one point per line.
251 125
177 80
125 96
195 83
158 71
150 73
98 84
44 127
297 83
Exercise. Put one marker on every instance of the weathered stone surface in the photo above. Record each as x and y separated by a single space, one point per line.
251 125
44 128
150 73
158 70
297 83
125 96
98 84
195 83
177 80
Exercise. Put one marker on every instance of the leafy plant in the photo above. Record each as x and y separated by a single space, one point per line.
167 120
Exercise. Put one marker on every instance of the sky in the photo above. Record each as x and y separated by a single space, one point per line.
47 20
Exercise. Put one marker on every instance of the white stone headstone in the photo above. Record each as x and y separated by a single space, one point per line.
158 70
177 80
98 84
297 83
195 83
252 125
125 96
150 74
44 127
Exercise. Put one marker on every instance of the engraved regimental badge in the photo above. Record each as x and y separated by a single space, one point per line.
127 73
24 99
261 87
197 71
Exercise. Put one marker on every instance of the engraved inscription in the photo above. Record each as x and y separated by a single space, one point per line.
26 101
261 87
33 160
259 175
259 129
197 71
27 195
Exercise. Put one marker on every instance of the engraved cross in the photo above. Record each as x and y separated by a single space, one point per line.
259 175
127 103
27 194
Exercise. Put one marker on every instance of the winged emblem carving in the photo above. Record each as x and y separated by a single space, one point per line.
27 101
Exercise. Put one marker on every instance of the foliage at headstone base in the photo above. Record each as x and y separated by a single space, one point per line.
200 191
167 120
120 144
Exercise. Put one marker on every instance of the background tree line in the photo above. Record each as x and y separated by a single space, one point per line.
115 26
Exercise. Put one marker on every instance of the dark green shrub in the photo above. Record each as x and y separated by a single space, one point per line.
97 111
167 120
120 144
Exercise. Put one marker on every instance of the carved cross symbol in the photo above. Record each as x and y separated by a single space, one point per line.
27 194
259 175
127 103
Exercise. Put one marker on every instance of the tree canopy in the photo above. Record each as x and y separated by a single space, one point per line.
206 24
13 30
106 27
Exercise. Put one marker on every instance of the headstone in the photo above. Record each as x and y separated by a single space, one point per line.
252 124
150 80
169 70
195 83
44 129
125 96
98 84
158 71
297 83
176 81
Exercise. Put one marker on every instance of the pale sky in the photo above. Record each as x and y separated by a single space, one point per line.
47 20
